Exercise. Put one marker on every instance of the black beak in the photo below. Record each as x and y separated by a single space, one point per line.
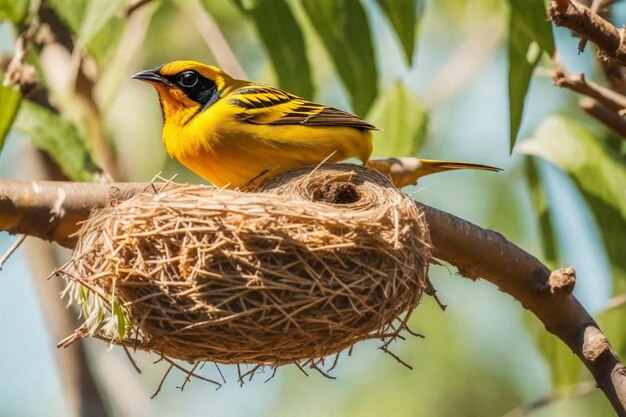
150 76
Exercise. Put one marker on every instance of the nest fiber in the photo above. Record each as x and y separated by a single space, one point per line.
314 261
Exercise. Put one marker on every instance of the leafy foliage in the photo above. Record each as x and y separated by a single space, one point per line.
71 11
10 99
96 23
402 119
98 14
403 16
59 138
532 18
598 172
345 32
104 42
13 10
530 33
281 35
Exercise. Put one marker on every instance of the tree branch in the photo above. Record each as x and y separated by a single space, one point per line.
50 210
475 252
604 104
611 99
605 115
479 253
612 70
587 24
596 6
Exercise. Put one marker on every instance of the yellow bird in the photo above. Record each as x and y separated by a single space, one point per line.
233 132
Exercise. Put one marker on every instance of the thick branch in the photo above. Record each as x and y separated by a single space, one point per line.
595 6
476 252
50 210
612 70
587 24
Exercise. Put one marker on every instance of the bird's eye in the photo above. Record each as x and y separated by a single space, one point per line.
188 79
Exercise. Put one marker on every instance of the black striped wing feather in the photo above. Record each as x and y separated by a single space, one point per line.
262 104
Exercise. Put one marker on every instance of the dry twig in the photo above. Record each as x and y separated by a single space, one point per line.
609 98
604 104
605 115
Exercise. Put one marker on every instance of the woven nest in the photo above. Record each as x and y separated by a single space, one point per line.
312 263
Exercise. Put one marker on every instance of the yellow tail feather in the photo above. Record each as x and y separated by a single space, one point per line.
431 166
406 170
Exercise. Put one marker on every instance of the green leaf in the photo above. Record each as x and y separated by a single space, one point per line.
13 10
403 16
104 42
10 98
283 40
60 139
540 203
523 57
532 17
530 33
97 24
83 294
121 319
402 119
72 12
98 14
344 30
598 172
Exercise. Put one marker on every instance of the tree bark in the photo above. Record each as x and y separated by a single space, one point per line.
589 25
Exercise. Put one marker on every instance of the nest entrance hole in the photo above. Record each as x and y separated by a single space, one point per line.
337 193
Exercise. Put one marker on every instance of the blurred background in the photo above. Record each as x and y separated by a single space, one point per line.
443 80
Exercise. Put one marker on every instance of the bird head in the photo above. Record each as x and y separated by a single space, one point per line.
185 88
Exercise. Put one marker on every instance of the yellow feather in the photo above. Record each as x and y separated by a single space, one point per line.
231 132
